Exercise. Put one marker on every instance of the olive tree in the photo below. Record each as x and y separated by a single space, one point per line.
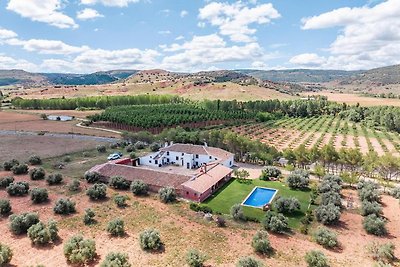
270 172
119 182
195 259
79 250
88 218
54 179
6 254
5 206
41 234
35 160
167 194
298 179
261 243
237 212
375 225
6 181
37 174
249 262
139 188
92 177
328 214
64 206
116 259
287 205
275 222
150 239
20 223
316 258
97 192
39 195
325 237
18 188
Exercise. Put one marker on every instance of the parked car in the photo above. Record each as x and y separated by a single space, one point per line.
114 156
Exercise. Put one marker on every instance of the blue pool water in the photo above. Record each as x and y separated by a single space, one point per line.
260 196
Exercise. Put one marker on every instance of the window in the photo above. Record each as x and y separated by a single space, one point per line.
197 156
149 161
156 161
195 194
230 163
183 154
187 192
167 153
210 157
177 158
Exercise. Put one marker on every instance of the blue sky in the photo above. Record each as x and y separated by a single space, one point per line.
192 35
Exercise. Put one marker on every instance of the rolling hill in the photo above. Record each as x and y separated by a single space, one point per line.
379 76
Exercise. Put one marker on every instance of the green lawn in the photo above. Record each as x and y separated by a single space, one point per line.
235 192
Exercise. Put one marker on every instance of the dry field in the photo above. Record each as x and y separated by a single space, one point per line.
181 229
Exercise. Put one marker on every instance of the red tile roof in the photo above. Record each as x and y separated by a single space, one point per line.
199 150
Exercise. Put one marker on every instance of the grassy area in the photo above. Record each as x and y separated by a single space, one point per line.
235 192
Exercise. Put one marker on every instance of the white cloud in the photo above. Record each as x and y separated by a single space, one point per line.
47 11
7 62
166 32
184 13
259 65
308 60
370 36
234 20
7 34
88 13
53 47
180 37
114 3
203 51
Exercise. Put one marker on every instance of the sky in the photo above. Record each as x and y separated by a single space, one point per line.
84 36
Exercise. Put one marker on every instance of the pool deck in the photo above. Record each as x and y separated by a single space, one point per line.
252 191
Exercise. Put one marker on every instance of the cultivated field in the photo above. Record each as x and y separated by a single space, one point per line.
319 131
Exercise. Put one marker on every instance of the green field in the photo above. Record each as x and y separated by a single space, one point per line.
235 192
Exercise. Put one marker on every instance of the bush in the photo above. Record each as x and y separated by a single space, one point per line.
325 237
88 218
20 169
270 172
277 223
78 250
195 259
369 194
299 179
5 206
130 148
64 206
261 243
316 258
140 145
97 192
54 179
132 155
196 207
150 239
368 208
167 194
331 198
35 160
41 234
18 189
6 181
375 225
114 259
220 221
154 147
19 224
116 227
67 159
92 177
382 252
39 195
74 185
7 166
328 214
5 254
395 192
119 182
37 174
120 200
139 188
287 205
330 183
249 262
101 149
237 213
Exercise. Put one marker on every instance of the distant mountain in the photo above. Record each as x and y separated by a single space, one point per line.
300 75
11 77
379 76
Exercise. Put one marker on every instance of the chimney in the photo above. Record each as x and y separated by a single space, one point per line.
205 168
171 143
166 144
205 144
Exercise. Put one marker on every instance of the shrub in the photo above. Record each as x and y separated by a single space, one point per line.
382 252
220 221
115 259
54 179
328 214
249 262
35 160
287 205
270 171
150 239
316 258
196 207
395 192
88 218
130 148
116 227
64 206
140 145
97 192
67 159
19 224
92 177
39 195
6 181
138 187
277 223
101 149
330 184
237 212
261 243
74 185
41 234
20 169
331 198
132 155
18 189
299 179
9 164
369 194
5 206
375 225
120 200
368 208
167 194
154 147
5 254
78 250
37 174
195 259
325 237
119 182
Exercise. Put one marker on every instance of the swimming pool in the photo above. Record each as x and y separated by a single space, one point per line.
260 196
